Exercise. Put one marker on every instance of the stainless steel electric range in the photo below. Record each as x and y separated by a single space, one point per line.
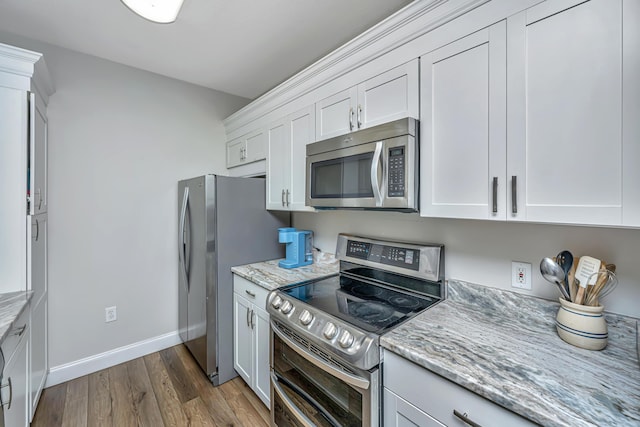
325 353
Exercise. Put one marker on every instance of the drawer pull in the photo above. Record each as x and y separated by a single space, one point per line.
251 294
8 404
19 331
465 419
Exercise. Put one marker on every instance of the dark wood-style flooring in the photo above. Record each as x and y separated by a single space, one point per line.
162 389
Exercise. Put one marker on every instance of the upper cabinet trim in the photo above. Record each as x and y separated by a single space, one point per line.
373 43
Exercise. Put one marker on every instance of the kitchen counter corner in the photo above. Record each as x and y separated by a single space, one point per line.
504 347
12 304
270 276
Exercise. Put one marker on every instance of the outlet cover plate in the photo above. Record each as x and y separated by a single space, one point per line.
521 275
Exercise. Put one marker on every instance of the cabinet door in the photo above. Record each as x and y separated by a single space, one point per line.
39 361
389 96
242 338
336 114
13 189
261 351
38 274
256 146
400 413
278 165
38 159
302 133
564 118
463 135
235 152
14 390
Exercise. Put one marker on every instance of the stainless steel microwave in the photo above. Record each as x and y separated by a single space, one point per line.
374 168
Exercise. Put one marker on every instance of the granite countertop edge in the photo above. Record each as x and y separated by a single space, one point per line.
270 276
478 340
12 305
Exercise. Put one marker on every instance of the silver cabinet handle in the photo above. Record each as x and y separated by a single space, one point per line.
514 194
283 197
495 194
375 184
251 294
8 404
39 194
253 315
351 118
287 198
248 324
359 116
37 230
19 331
465 419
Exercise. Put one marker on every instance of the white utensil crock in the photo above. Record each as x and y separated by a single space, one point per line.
582 326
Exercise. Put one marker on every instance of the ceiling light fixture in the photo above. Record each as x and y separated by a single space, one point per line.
161 11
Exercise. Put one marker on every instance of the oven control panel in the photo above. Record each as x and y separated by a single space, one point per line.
384 254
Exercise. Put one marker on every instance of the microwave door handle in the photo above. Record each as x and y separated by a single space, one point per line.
375 181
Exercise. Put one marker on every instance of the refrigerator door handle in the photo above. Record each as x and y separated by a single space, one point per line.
181 240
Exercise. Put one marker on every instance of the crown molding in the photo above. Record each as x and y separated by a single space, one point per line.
407 24
18 61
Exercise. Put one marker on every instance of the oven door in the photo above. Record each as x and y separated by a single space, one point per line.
308 391
375 175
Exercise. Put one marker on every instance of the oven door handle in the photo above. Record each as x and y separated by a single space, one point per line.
306 422
276 379
352 380
375 180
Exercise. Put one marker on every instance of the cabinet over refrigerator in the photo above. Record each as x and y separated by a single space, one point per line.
222 222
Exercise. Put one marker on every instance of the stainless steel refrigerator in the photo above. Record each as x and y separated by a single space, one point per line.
222 223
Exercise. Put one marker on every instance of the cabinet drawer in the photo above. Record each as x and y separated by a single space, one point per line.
255 294
439 397
18 331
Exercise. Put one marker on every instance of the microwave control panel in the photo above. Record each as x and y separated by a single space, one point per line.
395 186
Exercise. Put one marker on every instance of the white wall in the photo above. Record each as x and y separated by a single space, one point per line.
481 251
119 141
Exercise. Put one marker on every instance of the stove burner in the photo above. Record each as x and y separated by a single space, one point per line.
366 291
404 301
370 312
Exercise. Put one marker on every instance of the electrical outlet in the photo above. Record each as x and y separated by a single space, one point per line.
110 314
521 275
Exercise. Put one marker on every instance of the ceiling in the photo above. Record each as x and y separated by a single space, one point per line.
242 47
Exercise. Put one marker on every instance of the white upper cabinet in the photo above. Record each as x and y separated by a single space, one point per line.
463 140
556 153
287 140
386 97
247 148
565 119
38 152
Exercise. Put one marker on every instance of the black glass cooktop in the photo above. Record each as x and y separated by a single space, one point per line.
367 306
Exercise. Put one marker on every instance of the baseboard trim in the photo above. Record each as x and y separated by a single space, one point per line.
88 365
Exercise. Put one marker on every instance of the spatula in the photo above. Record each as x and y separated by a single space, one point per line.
585 272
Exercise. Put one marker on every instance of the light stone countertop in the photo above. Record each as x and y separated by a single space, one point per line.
268 275
504 346
12 304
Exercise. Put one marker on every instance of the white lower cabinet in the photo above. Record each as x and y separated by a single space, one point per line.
14 390
415 396
38 361
251 336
